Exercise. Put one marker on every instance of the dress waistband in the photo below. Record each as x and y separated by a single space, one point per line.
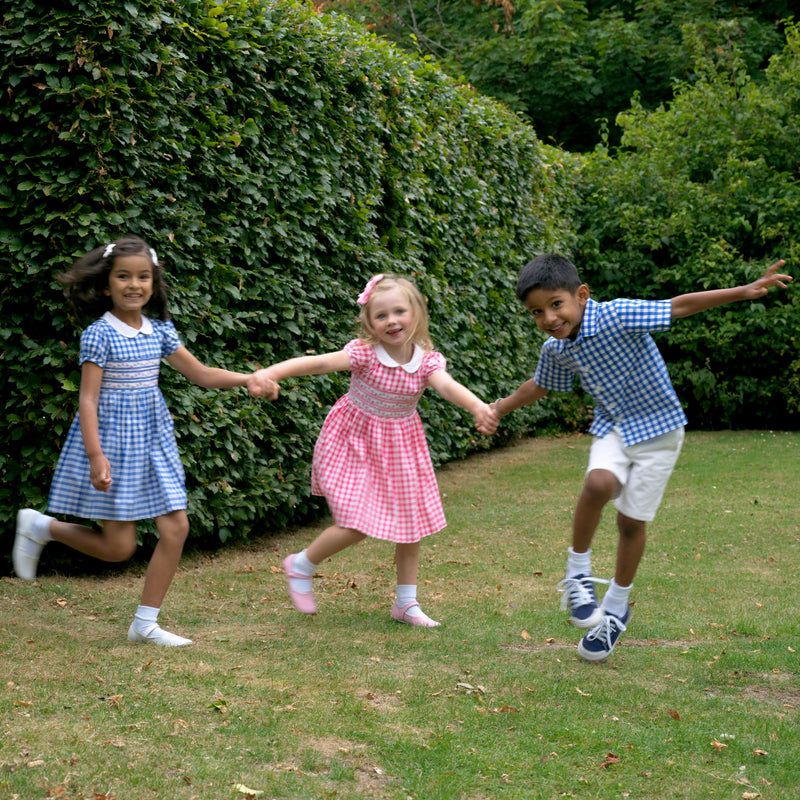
381 404
130 375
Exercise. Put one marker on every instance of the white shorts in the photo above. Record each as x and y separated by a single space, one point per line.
642 470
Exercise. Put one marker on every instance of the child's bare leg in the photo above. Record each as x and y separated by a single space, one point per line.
332 541
598 488
115 542
173 528
406 607
630 548
300 567
577 588
406 557
632 540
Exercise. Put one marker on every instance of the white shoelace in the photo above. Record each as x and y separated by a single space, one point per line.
605 629
577 592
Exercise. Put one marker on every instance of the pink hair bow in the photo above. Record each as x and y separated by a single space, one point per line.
363 298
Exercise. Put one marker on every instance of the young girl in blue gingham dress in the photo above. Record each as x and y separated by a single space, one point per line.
120 460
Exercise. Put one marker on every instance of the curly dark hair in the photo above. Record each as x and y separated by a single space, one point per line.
86 281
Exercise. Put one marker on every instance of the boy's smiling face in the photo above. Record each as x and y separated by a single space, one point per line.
558 312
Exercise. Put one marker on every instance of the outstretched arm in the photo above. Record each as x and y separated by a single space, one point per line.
215 378
303 365
528 393
687 304
458 394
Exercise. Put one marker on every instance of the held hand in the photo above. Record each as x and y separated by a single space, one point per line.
100 473
259 384
485 419
496 410
769 279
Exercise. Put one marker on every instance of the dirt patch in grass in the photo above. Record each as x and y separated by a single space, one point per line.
372 780
777 689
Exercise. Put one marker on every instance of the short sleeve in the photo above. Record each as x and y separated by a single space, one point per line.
95 345
361 354
170 341
432 362
551 375
643 316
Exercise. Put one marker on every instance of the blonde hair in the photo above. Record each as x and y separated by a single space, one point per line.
419 331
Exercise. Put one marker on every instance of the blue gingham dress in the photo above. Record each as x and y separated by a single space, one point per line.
136 429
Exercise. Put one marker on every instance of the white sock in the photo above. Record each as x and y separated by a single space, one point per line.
615 600
579 563
145 617
302 566
41 527
407 593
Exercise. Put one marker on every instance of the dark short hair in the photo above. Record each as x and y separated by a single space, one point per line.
550 272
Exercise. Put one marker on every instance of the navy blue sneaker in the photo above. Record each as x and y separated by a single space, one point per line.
578 595
600 641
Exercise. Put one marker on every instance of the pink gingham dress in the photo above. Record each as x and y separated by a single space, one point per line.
371 461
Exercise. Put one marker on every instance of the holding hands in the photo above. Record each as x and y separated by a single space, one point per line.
486 420
259 384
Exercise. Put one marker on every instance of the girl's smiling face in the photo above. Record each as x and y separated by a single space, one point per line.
558 312
130 285
392 319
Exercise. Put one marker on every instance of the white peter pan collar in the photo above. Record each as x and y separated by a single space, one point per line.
126 330
387 361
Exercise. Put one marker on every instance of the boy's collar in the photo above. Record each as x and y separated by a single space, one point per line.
588 326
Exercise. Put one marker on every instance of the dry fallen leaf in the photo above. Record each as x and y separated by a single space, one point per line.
718 745
525 635
246 790
610 759
674 714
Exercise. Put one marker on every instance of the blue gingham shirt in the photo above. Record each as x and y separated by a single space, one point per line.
619 366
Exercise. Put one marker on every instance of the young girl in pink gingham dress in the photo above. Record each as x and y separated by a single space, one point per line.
371 461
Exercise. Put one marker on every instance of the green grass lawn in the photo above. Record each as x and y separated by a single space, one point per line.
700 700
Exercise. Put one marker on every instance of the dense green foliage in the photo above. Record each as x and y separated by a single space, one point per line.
275 159
569 64
705 194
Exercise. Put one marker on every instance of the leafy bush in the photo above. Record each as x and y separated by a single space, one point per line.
568 65
275 159
705 194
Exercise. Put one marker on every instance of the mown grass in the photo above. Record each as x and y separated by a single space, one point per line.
700 699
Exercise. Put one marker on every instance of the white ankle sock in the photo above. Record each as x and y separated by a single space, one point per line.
407 593
615 600
145 617
41 527
302 566
578 563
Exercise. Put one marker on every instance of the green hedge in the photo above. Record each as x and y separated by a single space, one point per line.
275 159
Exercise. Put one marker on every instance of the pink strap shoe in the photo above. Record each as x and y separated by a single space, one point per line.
303 601
401 615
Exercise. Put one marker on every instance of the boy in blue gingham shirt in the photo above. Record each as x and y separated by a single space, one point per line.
638 420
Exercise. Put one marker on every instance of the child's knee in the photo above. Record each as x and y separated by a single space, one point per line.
600 485
121 546
173 528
